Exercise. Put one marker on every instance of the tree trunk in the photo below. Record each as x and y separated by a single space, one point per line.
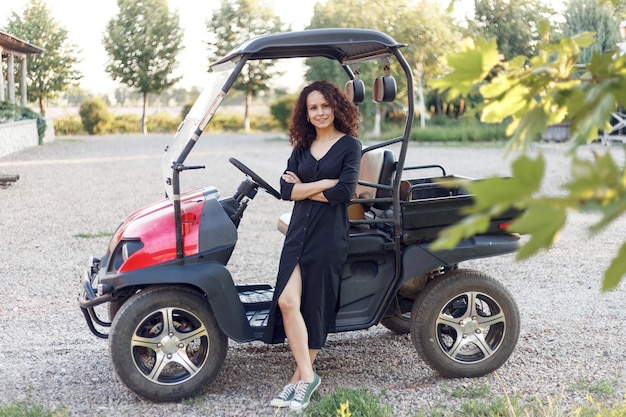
42 106
438 109
420 95
376 132
144 127
246 116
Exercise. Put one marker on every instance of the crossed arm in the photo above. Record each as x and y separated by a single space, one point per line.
308 190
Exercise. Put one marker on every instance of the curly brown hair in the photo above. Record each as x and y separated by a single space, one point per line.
347 118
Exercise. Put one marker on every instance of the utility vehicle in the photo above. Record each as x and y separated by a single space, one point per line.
173 304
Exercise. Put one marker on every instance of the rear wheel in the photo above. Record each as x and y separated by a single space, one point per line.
465 324
400 322
165 343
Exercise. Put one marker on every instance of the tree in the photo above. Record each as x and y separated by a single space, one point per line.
75 95
430 33
550 89
51 72
592 16
513 23
620 8
235 22
424 26
359 14
142 42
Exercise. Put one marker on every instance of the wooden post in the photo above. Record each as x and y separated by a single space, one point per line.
1 77
11 77
23 80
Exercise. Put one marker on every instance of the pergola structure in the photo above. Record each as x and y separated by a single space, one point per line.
10 49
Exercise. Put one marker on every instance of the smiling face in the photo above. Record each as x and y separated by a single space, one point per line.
319 111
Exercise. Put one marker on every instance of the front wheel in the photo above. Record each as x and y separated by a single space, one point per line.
465 324
165 343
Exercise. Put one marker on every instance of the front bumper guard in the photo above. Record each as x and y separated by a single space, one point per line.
88 300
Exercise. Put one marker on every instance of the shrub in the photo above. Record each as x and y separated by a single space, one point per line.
443 121
226 122
95 116
360 402
26 113
443 129
233 122
125 123
68 125
264 123
281 110
12 112
185 110
162 123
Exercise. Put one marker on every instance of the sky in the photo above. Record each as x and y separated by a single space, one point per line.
85 22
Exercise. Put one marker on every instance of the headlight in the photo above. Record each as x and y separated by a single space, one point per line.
125 249
125 252
130 247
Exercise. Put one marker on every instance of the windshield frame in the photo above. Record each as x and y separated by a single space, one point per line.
219 81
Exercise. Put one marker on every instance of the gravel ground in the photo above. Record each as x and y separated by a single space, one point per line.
570 342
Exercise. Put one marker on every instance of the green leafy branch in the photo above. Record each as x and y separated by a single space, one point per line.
533 94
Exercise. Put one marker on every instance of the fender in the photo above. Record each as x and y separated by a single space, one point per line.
418 259
480 246
212 278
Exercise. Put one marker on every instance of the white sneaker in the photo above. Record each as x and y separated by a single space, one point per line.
304 390
284 397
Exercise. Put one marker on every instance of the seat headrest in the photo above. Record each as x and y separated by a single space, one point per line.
384 89
355 90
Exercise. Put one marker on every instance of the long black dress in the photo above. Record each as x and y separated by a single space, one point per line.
317 239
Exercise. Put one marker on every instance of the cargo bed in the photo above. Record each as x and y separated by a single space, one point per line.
428 205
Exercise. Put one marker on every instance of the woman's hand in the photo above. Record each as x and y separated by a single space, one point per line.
313 190
328 183
291 177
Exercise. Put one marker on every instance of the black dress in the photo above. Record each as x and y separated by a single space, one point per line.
317 239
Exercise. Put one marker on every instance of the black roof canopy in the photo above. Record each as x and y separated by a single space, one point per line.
341 44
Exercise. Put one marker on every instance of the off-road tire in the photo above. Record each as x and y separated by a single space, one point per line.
457 341
114 306
166 344
400 324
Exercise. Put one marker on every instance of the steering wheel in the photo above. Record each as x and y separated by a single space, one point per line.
255 177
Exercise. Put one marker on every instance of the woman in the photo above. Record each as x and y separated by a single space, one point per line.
321 176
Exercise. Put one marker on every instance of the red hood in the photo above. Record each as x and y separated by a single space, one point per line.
154 226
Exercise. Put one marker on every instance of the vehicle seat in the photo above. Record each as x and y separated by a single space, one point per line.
377 167
283 222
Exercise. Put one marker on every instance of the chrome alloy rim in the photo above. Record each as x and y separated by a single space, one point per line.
170 346
470 327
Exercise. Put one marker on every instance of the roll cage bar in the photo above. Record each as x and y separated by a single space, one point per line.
347 46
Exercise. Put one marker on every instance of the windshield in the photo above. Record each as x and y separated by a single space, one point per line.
195 122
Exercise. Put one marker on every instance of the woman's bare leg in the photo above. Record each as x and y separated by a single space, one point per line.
296 374
295 328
